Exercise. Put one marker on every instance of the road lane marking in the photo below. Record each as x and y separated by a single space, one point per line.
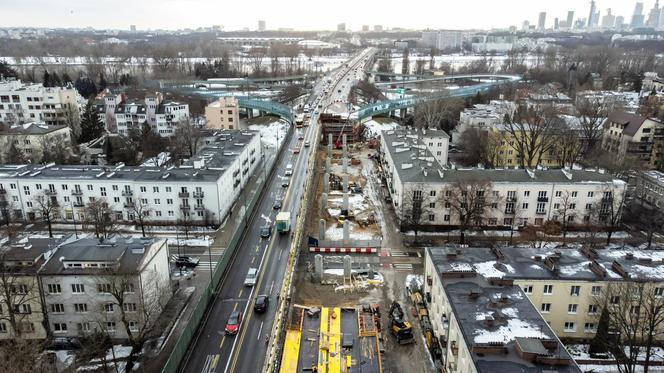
260 329
279 257
221 345
271 287
253 259
214 362
240 295
235 306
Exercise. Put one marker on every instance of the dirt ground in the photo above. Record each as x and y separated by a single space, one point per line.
397 358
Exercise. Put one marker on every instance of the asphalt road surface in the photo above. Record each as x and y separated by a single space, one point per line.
212 350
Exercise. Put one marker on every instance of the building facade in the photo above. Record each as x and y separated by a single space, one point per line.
443 39
633 137
512 196
223 114
30 138
203 189
32 102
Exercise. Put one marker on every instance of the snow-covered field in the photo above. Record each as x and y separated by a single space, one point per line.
336 234
373 128
192 242
271 132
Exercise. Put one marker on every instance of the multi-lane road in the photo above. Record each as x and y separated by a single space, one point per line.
212 350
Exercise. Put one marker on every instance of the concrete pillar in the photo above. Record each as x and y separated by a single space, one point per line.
330 142
402 113
345 164
318 267
346 230
326 183
323 199
345 183
348 265
345 203
321 229
328 163
343 146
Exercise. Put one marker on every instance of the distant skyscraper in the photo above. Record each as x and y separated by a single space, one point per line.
609 20
525 26
570 19
261 25
378 28
365 28
637 17
555 23
132 28
591 16
653 17
341 27
541 23
620 22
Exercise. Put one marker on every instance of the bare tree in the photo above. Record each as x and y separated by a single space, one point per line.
19 355
55 149
470 200
442 112
609 210
415 210
256 56
187 138
568 146
99 214
73 120
48 208
591 114
647 219
185 221
565 214
141 211
481 147
531 133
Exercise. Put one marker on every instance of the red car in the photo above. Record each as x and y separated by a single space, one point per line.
296 151
234 322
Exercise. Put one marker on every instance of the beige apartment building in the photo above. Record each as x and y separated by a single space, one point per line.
563 284
29 138
223 114
633 137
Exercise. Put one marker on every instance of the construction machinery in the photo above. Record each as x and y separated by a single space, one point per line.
399 327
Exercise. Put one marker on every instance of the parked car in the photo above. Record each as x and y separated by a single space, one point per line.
186 261
277 205
233 323
262 301
285 184
266 231
251 278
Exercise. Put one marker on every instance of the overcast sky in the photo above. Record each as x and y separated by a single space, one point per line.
298 14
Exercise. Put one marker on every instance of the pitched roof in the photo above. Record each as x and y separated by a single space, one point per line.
632 122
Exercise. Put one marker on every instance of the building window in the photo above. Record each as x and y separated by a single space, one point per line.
596 290
58 308
590 327
570 327
54 289
27 327
559 193
574 194
104 288
526 193
432 217
157 201
592 309
108 307
129 307
3 327
168 189
143 189
77 288
571 308
446 218
635 310
59 327
133 326
528 289
81 307
546 307
110 326
548 289
575 290
129 288
169 201
614 299
83 326
659 292
524 205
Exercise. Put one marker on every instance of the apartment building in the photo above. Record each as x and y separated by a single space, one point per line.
633 137
29 139
203 188
21 260
564 284
513 196
443 39
121 114
651 81
649 188
84 280
223 114
483 117
32 102
487 324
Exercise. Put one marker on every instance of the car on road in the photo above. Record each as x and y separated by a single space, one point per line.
277 205
296 151
300 137
233 323
262 301
266 231
285 184
306 144
252 276
186 261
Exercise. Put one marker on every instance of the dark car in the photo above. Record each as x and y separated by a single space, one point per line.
262 301
266 231
234 322
186 261
277 205
285 184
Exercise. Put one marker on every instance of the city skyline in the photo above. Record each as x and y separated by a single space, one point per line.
297 14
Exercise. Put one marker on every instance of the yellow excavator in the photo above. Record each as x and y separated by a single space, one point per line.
399 327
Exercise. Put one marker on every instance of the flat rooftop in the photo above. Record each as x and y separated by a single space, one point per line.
519 263
209 164
502 329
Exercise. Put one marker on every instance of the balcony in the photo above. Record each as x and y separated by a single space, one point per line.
76 192
199 194
509 212
127 193
511 199
540 212
183 194
542 199
50 192
129 205
3 191
185 207
199 207
79 204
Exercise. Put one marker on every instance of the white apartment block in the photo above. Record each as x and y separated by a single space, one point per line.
78 280
487 324
483 117
204 188
649 188
120 115
30 137
223 114
566 285
443 39
32 102
515 196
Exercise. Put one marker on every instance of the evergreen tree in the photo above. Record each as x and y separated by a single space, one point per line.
102 82
15 155
85 87
66 79
7 71
91 126
599 344
46 79
55 80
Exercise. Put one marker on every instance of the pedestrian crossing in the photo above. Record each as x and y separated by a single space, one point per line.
402 267
205 266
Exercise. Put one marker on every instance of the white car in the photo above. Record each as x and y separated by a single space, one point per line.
251 278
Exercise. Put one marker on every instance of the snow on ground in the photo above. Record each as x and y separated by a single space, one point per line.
492 269
336 234
158 161
271 132
266 218
338 168
356 203
373 128
372 192
194 242
417 279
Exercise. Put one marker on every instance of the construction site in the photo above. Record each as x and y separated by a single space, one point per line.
351 310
